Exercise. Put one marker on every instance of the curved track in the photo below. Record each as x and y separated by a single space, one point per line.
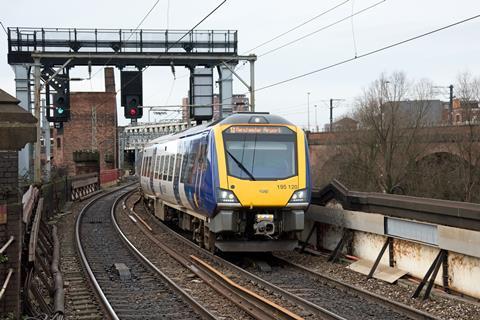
318 297
347 300
144 294
167 240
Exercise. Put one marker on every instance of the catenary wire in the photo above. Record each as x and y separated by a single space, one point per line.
4 29
131 33
297 26
322 28
369 53
159 56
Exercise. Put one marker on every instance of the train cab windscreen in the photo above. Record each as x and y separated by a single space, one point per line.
260 152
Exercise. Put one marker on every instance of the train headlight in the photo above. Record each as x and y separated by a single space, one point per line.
299 196
226 196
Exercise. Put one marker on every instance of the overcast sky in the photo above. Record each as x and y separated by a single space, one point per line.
439 57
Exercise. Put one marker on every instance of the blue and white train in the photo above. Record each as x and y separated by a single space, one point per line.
238 184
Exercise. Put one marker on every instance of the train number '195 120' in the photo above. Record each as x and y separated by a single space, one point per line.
287 186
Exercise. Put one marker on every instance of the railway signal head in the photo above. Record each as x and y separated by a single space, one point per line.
61 108
132 107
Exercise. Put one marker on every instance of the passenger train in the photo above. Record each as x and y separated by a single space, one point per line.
238 184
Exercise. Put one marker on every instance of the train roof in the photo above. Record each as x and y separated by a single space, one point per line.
237 118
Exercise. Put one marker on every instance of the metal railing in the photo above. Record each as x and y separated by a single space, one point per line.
120 40
42 272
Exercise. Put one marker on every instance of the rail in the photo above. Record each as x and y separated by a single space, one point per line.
307 305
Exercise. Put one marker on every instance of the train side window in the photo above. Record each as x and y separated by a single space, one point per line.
154 165
177 165
186 156
155 171
190 166
145 160
149 161
170 167
160 167
159 172
165 168
142 168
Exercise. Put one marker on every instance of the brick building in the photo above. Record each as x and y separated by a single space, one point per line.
88 142
465 112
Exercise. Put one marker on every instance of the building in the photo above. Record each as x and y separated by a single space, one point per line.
136 136
132 139
465 112
88 142
343 124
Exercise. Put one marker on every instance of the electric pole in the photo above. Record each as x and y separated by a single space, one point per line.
308 111
331 115
450 106
331 112
316 118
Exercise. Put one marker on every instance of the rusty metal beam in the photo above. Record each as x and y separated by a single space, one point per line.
338 249
433 269
379 257
439 261
305 243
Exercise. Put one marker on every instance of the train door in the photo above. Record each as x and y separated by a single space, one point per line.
183 174
176 175
152 167
201 165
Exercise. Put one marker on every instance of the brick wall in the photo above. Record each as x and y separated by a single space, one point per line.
92 126
10 210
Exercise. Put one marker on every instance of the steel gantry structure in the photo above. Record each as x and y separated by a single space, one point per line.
56 50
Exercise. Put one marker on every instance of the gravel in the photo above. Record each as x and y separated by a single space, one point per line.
204 294
439 306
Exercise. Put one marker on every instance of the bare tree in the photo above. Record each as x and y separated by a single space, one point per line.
381 151
467 140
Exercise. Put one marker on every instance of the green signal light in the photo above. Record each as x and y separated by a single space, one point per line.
60 110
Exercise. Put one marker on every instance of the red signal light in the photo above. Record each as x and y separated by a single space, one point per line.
133 112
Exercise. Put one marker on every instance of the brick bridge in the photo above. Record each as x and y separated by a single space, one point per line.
324 146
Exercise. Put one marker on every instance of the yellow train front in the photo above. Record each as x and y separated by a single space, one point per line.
243 183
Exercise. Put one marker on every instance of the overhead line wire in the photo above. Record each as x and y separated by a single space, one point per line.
298 26
322 28
166 50
204 18
4 29
131 33
159 56
369 53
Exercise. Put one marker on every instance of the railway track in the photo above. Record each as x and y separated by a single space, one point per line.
224 295
172 244
138 292
315 296
305 276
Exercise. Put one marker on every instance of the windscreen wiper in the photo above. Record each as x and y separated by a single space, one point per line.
241 166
